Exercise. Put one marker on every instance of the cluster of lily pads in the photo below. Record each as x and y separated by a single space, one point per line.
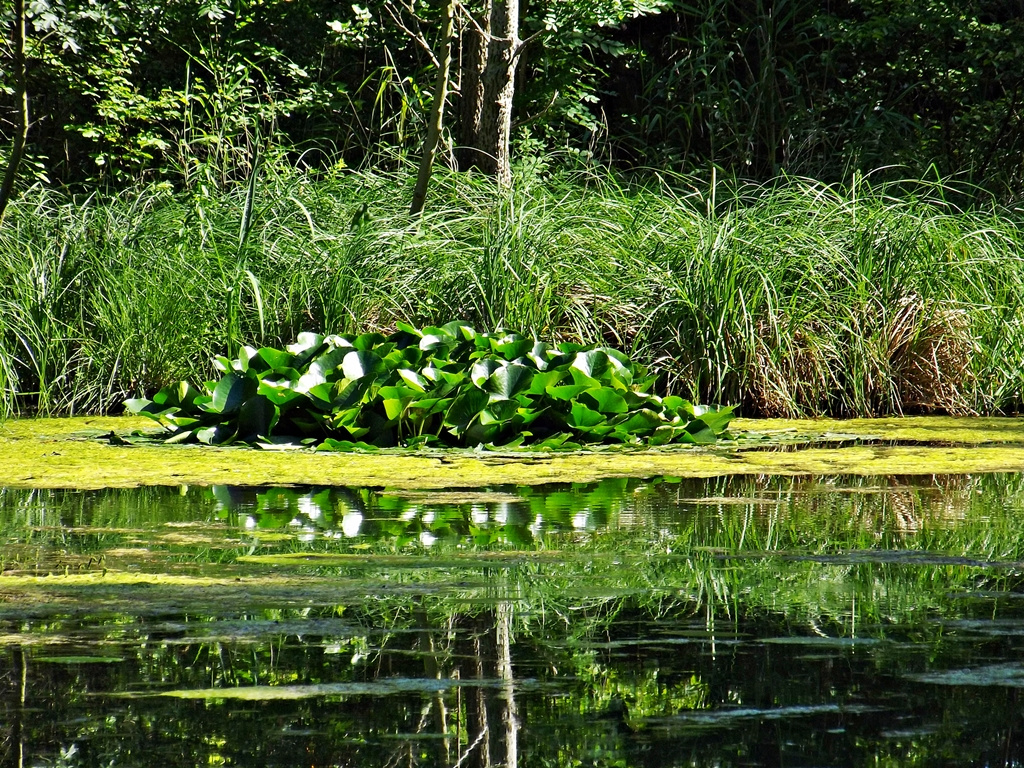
437 386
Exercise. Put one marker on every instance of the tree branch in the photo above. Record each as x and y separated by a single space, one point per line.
417 36
539 115
21 97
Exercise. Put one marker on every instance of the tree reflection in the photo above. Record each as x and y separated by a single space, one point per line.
624 624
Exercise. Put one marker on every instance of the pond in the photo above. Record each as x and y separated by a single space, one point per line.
733 621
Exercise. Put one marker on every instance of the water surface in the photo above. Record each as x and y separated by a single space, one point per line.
741 621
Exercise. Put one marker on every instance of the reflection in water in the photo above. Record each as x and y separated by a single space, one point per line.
739 621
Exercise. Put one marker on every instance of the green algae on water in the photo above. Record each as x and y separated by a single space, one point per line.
64 453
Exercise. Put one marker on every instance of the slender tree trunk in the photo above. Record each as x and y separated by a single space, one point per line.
510 713
21 97
18 737
419 196
472 62
488 88
500 86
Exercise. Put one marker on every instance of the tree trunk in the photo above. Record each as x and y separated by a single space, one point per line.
419 196
488 88
21 97
472 61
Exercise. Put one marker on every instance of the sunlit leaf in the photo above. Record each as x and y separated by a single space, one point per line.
509 380
465 408
229 394
358 364
604 399
482 371
581 416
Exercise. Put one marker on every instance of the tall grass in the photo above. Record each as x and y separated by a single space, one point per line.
792 298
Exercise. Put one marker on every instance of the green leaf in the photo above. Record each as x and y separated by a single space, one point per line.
542 380
567 391
422 441
465 408
413 379
439 346
216 435
480 433
458 329
346 394
530 415
178 394
482 371
324 365
640 422
182 421
245 355
358 364
540 354
593 364
257 418
142 407
699 433
677 405
345 446
275 359
410 329
321 395
278 392
181 436
554 441
229 394
499 411
428 406
511 346
718 419
509 380
305 347
397 393
581 416
605 400
395 400
514 442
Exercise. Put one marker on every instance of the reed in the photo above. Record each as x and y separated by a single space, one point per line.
793 298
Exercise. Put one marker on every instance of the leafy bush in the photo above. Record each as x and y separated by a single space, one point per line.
446 386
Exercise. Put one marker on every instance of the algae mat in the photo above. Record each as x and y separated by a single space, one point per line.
66 453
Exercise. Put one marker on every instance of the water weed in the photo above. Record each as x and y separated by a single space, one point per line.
436 386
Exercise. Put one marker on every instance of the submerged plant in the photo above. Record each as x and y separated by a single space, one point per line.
446 386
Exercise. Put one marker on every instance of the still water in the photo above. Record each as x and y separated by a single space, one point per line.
725 622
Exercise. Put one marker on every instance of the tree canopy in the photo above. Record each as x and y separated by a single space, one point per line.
186 90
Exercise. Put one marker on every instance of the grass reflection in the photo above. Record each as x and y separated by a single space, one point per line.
587 624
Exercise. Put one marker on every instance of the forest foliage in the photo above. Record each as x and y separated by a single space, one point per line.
186 91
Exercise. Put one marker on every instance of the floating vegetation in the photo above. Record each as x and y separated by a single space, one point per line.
439 386
67 453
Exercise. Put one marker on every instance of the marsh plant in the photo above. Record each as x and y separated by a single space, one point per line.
792 298
448 385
